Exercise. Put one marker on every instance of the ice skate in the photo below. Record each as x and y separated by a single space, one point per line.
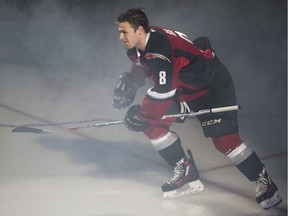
185 179
266 191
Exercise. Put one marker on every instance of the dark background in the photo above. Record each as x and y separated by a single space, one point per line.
250 37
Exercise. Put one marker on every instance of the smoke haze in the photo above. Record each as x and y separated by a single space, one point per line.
68 40
60 59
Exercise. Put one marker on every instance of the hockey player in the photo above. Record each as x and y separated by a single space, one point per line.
187 76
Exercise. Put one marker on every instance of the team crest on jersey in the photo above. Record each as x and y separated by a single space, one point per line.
156 55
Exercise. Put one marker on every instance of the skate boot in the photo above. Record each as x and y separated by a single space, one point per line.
266 191
185 179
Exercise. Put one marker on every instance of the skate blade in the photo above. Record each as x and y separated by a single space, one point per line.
271 202
193 187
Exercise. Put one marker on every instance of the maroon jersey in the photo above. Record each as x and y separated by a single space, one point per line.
179 69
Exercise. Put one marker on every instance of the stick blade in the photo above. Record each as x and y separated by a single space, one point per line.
24 129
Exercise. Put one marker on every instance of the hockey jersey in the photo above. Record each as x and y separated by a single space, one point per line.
180 70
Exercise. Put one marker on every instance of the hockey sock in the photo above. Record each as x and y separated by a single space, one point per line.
242 155
169 147
246 160
251 167
173 153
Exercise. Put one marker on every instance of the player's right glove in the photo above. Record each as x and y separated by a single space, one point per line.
132 122
124 92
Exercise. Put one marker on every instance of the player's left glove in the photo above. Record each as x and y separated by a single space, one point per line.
176 108
184 109
132 122
124 92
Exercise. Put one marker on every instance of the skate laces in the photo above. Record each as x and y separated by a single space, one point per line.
262 183
179 171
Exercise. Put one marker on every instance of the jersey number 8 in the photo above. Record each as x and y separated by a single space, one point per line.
162 77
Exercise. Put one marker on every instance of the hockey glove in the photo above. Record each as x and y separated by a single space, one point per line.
124 92
184 109
176 108
132 122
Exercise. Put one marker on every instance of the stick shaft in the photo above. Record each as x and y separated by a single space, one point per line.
205 111
225 109
103 124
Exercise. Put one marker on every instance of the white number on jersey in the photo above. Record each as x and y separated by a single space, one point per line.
162 77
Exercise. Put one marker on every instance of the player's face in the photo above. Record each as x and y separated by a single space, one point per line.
128 35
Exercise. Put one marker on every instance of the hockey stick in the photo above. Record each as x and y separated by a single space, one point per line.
27 129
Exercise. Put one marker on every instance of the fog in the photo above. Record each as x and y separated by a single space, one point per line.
64 41
60 60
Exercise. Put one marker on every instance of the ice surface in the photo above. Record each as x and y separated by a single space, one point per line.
114 172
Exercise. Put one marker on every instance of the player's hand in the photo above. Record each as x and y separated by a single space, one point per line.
184 109
132 122
124 92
